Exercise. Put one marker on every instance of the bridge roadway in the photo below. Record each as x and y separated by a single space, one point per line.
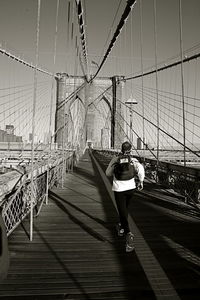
75 253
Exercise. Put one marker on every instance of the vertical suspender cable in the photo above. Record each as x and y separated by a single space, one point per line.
74 72
131 113
142 70
67 59
86 50
33 119
125 47
51 103
67 39
195 94
72 33
182 77
131 51
65 119
63 141
157 100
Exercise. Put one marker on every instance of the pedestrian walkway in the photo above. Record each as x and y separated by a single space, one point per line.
76 254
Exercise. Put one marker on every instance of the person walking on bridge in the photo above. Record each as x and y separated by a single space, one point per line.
124 170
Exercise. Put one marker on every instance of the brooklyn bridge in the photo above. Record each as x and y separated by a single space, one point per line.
78 78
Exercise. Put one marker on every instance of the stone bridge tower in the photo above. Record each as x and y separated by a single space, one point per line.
89 111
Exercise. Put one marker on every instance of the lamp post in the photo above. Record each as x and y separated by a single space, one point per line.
130 102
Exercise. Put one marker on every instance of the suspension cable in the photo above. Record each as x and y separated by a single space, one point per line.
178 114
129 6
68 98
142 77
109 34
169 135
82 33
186 59
164 132
51 103
135 134
33 117
151 108
156 75
22 61
182 79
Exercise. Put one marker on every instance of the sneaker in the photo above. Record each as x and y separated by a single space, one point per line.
120 230
129 242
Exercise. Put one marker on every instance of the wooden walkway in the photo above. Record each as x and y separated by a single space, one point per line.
75 253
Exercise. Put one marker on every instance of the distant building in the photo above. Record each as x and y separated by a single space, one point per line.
19 138
10 129
8 135
30 137
2 135
47 137
36 139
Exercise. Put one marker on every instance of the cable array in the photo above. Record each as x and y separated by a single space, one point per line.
167 113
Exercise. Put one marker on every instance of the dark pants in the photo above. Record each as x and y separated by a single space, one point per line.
122 200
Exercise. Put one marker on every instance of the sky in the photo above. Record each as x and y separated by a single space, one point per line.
18 19
18 26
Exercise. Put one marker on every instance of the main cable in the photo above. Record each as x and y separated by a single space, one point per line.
130 4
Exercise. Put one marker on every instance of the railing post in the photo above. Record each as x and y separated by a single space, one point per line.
47 178
4 253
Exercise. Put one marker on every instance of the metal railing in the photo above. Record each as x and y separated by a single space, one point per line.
17 203
185 181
